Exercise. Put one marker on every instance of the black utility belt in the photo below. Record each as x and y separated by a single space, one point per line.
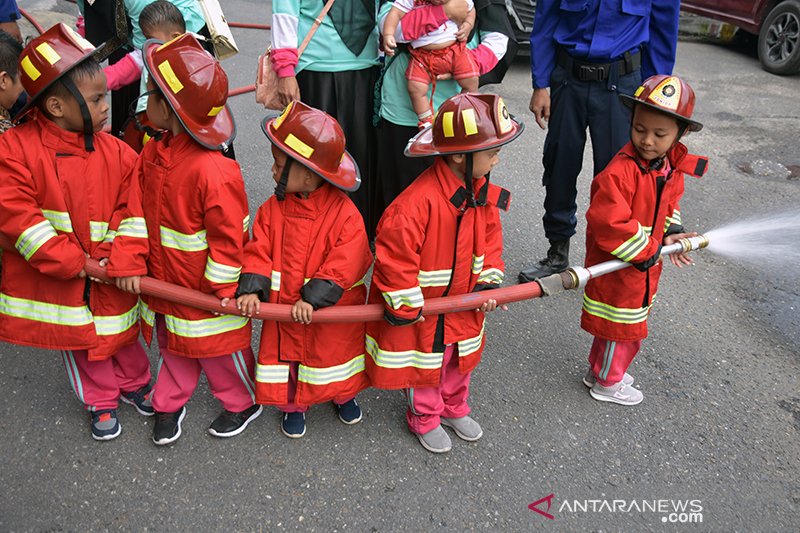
589 71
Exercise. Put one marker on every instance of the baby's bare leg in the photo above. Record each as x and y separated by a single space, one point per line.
468 85
418 92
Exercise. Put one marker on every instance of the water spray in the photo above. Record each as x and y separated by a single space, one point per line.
572 278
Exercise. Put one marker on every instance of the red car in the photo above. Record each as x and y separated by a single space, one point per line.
776 22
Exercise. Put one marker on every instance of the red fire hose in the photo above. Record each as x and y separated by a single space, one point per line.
249 25
32 20
344 313
241 90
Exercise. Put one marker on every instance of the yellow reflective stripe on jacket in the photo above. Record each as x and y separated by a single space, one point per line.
246 223
491 275
97 230
33 238
219 273
620 315
114 325
648 229
633 246
110 236
402 359
477 264
58 219
181 241
674 219
275 281
470 346
147 314
204 327
272 373
331 374
434 278
61 315
410 297
356 284
133 227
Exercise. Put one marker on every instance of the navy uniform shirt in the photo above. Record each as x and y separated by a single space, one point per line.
602 31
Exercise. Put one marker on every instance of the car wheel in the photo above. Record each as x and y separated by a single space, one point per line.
779 39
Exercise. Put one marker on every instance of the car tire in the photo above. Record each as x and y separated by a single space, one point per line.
779 39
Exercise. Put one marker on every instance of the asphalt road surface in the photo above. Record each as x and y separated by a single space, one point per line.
716 439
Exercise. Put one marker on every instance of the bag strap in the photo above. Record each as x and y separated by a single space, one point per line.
314 26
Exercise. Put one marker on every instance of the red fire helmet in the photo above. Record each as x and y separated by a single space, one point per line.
314 139
195 86
668 94
467 122
47 58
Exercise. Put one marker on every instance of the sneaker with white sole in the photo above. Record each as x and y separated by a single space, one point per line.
140 399
465 427
230 423
105 425
589 380
167 428
437 440
349 412
293 425
618 393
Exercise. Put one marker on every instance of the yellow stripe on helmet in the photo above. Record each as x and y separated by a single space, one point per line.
298 146
470 124
48 53
169 76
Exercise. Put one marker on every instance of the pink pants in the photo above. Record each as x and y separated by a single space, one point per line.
98 384
230 377
292 407
609 360
449 399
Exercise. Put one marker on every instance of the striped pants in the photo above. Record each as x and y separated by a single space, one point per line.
609 360
98 384
230 377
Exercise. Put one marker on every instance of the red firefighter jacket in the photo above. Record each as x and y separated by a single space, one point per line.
314 248
194 203
627 220
429 244
60 204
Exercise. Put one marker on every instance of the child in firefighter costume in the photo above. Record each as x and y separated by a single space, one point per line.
194 204
63 184
634 209
309 250
441 236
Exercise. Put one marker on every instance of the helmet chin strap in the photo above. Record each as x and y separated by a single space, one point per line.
88 127
468 180
280 188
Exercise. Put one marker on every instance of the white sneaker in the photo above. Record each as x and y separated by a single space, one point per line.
619 393
437 440
589 380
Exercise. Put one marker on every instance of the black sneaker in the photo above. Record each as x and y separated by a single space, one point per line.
350 412
168 427
105 425
293 425
140 399
229 424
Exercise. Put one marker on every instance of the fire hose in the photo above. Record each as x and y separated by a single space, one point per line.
572 278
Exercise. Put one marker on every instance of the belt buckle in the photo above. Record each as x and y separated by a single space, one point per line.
593 72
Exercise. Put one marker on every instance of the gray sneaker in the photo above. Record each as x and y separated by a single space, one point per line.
465 427
589 380
436 440
619 393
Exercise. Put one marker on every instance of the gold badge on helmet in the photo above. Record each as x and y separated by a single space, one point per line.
503 117
667 94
